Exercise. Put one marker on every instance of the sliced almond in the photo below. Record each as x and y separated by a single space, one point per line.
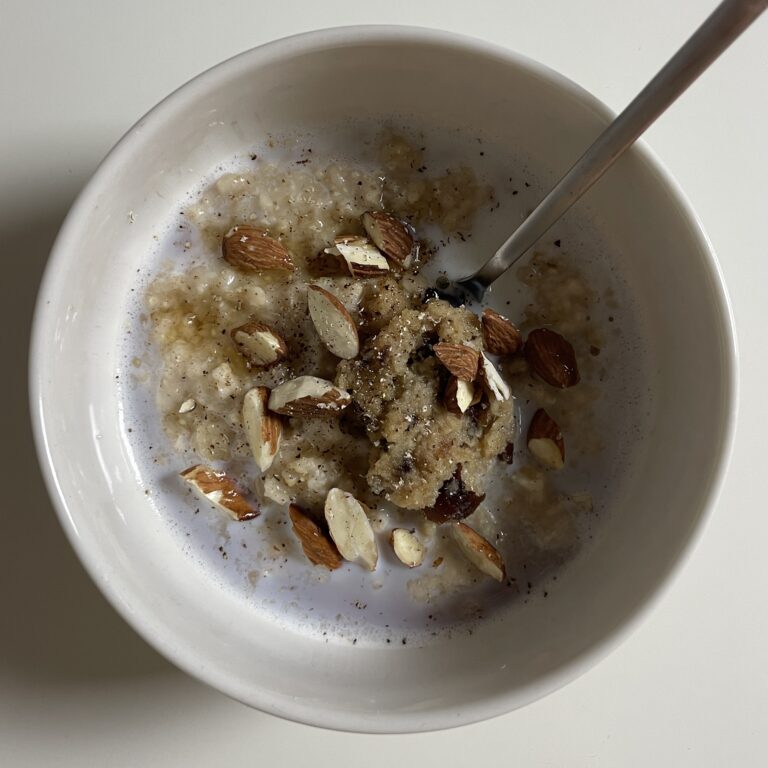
458 395
259 344
187 406
252 248
308 396
221 490
390 235
408 549
350 528
459 359
552 358
500 337
263 429
492 380
479 551
545 441
363 258
333 323
316 543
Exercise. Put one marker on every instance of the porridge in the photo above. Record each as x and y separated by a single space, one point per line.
305 365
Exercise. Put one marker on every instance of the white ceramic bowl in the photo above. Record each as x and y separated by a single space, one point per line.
660 250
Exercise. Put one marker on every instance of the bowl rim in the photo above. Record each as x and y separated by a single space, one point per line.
443 716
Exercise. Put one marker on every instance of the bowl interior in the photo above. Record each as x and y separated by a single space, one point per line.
680 408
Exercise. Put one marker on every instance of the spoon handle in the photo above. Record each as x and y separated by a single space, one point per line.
721 28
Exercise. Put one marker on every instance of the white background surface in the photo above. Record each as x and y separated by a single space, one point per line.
79 688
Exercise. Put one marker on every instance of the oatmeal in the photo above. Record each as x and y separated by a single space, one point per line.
304 364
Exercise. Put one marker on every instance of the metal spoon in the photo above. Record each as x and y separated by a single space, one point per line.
722 27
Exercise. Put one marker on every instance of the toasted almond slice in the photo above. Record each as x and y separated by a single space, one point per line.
390 235
333 323
308 396
263 429
187 406
221 490
552 358
458 395
363 258
492 380
350 528
459 359
500 337
316 543
545 441
479 551
259 344
252 248
408 549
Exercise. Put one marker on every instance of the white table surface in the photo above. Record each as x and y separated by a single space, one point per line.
79 688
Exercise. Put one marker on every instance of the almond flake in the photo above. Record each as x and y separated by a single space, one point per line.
333 323
491 378
263 429
479 551
363 258
259 344
459 359
390 235
350 528
316 543
500 337
408 549
545 441
552 358
458 395
252 248
308 396
218 488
